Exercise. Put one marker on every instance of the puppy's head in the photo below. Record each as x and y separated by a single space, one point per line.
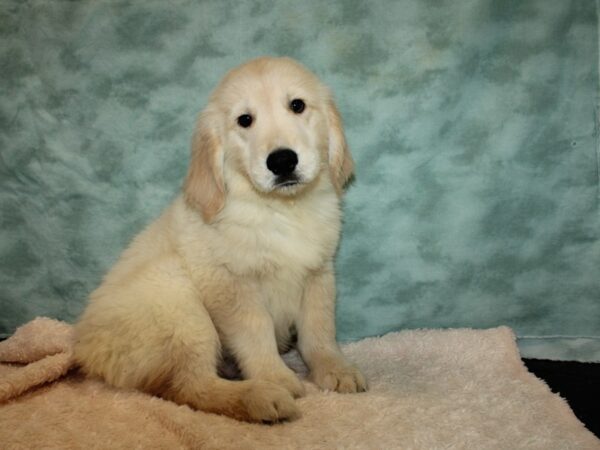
272 125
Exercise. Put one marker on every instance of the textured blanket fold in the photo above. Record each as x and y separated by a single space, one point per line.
42 348
429 389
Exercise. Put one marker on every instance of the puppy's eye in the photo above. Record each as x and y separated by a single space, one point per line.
297 105
245 120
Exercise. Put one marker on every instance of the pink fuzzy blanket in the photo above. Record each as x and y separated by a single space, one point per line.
429 389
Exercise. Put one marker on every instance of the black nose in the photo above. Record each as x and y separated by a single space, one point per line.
282 161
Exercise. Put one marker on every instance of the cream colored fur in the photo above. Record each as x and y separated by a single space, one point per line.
236 263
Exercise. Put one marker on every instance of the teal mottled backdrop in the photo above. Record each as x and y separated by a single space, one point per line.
474 124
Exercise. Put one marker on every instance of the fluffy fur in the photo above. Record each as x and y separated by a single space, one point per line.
239 263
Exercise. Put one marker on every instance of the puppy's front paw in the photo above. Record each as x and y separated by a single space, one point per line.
287 380
339 376
267 402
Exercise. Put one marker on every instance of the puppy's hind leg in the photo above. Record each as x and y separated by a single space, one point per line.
192 354
194 380
151 332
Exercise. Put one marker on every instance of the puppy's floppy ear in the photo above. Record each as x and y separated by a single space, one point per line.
204 187
341 165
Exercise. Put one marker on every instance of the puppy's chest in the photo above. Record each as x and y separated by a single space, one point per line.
270 242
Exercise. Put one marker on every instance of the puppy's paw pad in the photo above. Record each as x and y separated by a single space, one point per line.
268 402
290 382
345 379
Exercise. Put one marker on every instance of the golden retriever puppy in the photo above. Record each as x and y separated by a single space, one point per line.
240 263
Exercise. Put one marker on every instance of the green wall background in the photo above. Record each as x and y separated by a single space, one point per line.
474 125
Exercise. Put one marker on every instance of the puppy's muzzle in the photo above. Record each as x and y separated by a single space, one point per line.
282 162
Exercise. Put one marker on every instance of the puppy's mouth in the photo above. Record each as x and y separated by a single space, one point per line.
286 182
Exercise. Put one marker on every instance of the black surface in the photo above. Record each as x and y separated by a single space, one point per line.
576 382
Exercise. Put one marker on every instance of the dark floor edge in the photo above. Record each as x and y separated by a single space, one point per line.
577 382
